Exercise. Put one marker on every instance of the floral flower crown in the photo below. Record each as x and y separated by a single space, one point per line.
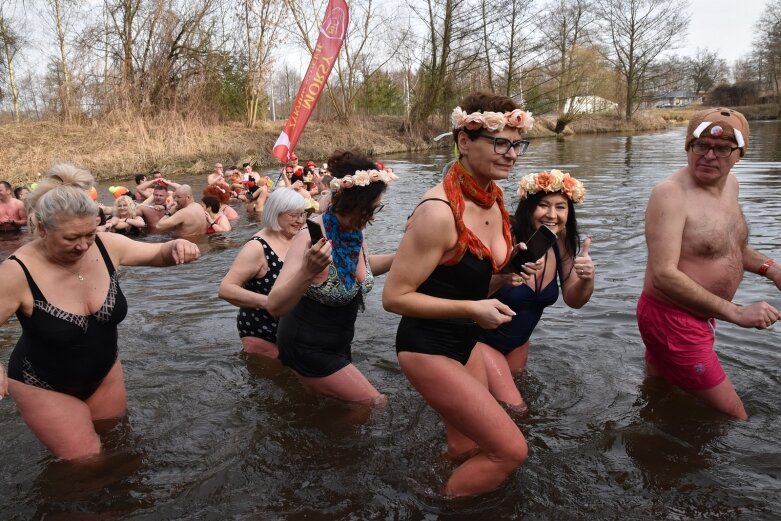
491 121
363 178
553 181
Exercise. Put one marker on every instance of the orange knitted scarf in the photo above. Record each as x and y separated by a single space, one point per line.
459 183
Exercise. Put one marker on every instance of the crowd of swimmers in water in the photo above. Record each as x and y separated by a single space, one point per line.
467 280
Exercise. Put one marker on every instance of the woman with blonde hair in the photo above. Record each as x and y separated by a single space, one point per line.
124 219
65 372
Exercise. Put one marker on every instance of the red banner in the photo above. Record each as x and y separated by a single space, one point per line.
332 34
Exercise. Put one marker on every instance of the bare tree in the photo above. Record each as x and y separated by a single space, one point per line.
9 41
262 20
373 38
636 32
55 12
706 70
436 71
565 26
370 44
516 47
768 46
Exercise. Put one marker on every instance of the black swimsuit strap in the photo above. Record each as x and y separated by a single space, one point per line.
259 239
36 291
429 199
106 256
559 265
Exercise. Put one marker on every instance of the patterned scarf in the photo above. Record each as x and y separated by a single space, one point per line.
346 248
459 183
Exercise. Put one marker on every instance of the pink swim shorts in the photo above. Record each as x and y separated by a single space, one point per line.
679 345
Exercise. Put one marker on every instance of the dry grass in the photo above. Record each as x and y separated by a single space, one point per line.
122 145
126 146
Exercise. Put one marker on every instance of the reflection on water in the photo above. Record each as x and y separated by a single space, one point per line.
214 434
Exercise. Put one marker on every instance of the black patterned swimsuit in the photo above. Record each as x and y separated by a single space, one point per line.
63 351
257 322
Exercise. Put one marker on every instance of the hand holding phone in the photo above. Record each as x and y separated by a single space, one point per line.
315 232
536 246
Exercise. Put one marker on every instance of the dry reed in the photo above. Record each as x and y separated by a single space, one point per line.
121 145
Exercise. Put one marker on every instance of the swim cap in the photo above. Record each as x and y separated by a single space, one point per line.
719 122
118 191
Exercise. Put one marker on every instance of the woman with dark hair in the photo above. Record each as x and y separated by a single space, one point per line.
216 220
65 372
456 244
223 195
546 199
323 283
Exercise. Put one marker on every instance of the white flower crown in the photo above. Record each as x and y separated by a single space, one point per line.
363 178
492 121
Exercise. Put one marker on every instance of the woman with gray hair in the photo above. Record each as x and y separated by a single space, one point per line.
65 372
256 268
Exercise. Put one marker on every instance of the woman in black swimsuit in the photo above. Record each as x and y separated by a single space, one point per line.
65 372
256 268
456 242
124 219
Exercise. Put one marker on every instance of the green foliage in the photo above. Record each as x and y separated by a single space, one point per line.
379 95
232 91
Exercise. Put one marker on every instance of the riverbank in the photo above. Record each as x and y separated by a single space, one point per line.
123 147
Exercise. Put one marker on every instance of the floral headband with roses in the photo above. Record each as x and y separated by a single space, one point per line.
491 121
363 178
553 181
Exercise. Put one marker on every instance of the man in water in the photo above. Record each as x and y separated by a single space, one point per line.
698 250
216 177
12 213
188 218
152 213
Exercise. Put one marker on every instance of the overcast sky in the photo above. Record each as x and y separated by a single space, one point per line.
724 26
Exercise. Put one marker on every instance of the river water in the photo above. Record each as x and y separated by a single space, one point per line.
214 434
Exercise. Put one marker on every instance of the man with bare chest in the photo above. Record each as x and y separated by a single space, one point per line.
12 213
698 250
188 219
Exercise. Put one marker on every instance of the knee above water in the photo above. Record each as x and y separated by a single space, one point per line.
514 454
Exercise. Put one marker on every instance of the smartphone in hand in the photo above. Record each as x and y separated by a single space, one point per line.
536 246
315 232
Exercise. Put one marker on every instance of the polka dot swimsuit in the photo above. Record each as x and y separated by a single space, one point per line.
257 322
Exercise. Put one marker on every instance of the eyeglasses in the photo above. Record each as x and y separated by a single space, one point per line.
369 216
503 145
296 215
718 150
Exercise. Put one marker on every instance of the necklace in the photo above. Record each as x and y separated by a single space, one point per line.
77 272
78 264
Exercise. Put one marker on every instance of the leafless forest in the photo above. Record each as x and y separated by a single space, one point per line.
79 61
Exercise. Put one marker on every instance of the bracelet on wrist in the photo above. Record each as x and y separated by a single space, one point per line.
765 266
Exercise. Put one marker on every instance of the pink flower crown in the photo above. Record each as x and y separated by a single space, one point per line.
492 121
553 181
363 178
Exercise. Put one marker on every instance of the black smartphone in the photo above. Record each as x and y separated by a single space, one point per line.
536 246
315 232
